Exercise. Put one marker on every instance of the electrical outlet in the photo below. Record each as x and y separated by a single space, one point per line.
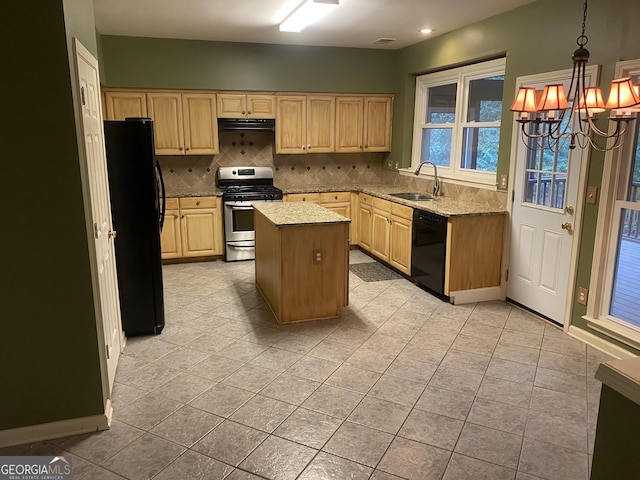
317 256
582 295
503 181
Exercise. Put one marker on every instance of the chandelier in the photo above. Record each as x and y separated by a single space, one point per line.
548 116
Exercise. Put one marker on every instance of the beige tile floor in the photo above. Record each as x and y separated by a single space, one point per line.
402 386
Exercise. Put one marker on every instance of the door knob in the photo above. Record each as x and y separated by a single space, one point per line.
569 209
566 226
112 234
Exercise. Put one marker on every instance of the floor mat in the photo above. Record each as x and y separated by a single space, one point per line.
373 272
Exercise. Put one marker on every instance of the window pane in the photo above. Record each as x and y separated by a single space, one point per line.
480 149
626 281
485 99
436 146
634 188
531 187
442 104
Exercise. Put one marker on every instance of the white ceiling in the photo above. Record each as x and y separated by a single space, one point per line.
355 23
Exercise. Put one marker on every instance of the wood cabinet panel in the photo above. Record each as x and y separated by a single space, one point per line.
321 115
377 124
261 106
364 225
380 223
170 238
200 124
335 197
166 111
291 121
240 105
198 237
349 124
121 105
303 197
401 231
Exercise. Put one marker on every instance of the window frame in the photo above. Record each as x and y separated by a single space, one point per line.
462 77
613 198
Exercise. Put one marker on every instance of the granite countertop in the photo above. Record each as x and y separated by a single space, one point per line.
214 192
623 376
298 213
444 206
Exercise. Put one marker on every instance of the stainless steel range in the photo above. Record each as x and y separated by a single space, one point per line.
242 187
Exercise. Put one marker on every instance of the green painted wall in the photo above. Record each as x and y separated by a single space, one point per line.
168 63
48 347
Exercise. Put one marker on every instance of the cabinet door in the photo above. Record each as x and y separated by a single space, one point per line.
380 233
377 124
291 130
303 197
321 121
232 105
349 111
364 226
170 239
261 106
200 124
344 209
166 111
400 244
120 105
198 237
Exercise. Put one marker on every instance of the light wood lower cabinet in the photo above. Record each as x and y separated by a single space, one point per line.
339 202
385 230
194 229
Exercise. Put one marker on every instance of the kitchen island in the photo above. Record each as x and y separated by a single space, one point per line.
302 260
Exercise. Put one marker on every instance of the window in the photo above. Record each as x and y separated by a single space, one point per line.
615 278
457 122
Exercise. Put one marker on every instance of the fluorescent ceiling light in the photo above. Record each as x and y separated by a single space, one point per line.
307 13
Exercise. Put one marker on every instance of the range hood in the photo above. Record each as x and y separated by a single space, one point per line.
247 123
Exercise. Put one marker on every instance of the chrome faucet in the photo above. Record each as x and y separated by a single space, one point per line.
436 183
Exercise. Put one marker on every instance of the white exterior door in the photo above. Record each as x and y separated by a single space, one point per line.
96 169
545 216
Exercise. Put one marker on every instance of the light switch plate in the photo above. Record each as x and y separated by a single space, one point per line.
503 181
582 295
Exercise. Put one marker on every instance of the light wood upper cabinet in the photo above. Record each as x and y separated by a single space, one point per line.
121 105
184 123
239 105
200 123
349 120
166 111
363 124
321 118
291 124
377 124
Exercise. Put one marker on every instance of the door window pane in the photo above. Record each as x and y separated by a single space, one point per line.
480 149
626 280
546 175
441 107
436 146
485 99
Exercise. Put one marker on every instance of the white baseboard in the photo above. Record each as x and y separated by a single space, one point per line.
476 295
599 343
62 428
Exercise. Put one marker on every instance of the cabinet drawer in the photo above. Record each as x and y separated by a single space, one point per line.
366 199
335 197
402 211
198 202
303 197
381 204
172 204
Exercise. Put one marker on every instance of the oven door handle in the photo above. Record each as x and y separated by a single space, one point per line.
233 207
229 245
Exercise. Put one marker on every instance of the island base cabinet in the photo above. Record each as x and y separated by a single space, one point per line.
302 270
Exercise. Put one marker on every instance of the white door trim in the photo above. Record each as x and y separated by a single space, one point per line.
594 72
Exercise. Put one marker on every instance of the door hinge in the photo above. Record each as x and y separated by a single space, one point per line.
83 98
506 275
96 234
513 196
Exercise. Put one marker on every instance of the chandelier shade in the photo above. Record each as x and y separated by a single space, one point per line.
591 101
553 98
622 94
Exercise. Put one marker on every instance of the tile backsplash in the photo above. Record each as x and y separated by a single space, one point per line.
196 174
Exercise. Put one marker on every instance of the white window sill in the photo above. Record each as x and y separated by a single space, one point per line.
627 335
467 182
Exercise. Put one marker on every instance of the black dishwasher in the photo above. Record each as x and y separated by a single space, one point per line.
428 251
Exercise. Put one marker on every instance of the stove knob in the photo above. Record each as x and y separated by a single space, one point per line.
233 172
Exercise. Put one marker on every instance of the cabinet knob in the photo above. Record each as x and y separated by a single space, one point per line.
197 202
112 234
186 148
249 113
179 148
309 147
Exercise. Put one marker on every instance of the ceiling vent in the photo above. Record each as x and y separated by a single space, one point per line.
383 40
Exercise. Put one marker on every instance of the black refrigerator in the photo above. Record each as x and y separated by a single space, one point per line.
137 208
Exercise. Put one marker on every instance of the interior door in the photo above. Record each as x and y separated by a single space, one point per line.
544 219
96 169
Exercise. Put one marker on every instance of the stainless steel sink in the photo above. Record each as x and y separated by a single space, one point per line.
416 197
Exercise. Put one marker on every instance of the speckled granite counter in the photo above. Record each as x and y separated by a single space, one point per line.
298 213
214 192
444 206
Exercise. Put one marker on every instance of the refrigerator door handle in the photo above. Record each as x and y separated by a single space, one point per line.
162 201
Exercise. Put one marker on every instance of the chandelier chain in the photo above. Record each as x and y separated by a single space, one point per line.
583 39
